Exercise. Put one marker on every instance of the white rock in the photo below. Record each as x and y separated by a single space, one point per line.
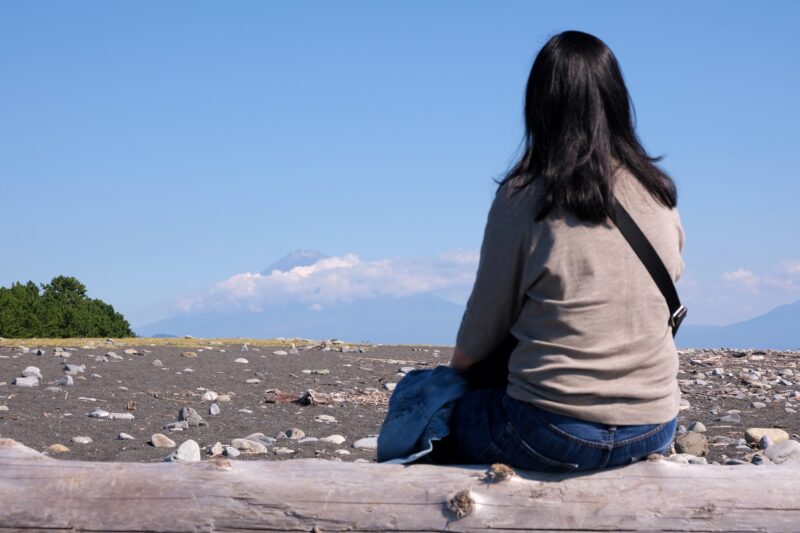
327 419
187 452
98 413
32 371
26 381
787 451
210 396
253 381
213 409
81 440
367 443
333 439
241 360
120 416
341 451
125 436
283 451
389 386
754 435
280 352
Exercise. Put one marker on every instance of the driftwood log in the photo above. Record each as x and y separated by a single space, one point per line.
41 493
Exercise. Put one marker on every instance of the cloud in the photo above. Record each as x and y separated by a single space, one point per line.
744 278
341 279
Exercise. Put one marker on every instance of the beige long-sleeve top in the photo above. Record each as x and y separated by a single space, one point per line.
594 339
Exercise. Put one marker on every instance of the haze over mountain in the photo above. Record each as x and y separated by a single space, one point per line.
776 329
309 294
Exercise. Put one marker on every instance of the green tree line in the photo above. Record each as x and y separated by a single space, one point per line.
57 309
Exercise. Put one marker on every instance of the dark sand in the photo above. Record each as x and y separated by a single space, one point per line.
38 418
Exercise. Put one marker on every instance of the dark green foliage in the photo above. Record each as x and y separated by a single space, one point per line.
57 309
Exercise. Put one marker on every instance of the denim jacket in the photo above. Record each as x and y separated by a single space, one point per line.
419 413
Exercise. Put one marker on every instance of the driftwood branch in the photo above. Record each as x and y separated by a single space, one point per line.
38 492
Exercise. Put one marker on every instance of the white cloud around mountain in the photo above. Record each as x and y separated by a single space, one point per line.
786 276
341 279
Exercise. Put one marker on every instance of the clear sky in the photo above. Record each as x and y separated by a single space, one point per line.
153 149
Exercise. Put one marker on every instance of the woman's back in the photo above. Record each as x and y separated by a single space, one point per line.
594 339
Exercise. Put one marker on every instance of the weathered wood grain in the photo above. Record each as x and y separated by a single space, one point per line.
38 492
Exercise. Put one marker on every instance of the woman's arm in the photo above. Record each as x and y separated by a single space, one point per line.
460 361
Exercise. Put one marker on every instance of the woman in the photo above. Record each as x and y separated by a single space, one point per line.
592 372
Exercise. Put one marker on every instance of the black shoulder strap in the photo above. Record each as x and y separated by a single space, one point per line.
652 262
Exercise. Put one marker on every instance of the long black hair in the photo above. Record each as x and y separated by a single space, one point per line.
579 129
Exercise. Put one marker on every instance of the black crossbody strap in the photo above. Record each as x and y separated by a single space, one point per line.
653 263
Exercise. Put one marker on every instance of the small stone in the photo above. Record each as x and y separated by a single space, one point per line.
210 396
32 371
223 398
692 443
120 416
216 449
249 446
187 452
74 369
191 417
260 437
406 369
65 381
389 386
306 440
687 458
787 451
81 440
26 381
189 355
281 435
754 435
177 426
131 351
341 451
3 408
231 452
213 409
760 459
697 427
367 443
333 439
157 362
157 440
280 352
758 405
327 419
730 419
98 413
125 436
56 448
765 442
245 411
295 434
283 451
252 381
241 360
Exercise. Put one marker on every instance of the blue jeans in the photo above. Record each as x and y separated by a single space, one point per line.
488 426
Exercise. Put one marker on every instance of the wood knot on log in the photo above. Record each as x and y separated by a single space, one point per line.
461 503
499 472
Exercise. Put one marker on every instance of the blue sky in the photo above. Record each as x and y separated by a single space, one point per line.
153 149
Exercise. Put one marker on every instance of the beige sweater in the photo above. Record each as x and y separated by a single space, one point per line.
594 342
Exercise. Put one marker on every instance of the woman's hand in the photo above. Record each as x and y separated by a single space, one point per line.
459 361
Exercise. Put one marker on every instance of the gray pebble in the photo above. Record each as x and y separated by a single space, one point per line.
26 381
65 381
213 409
295 434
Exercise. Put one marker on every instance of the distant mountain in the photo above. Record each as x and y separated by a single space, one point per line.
294 259
777 329
418 319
